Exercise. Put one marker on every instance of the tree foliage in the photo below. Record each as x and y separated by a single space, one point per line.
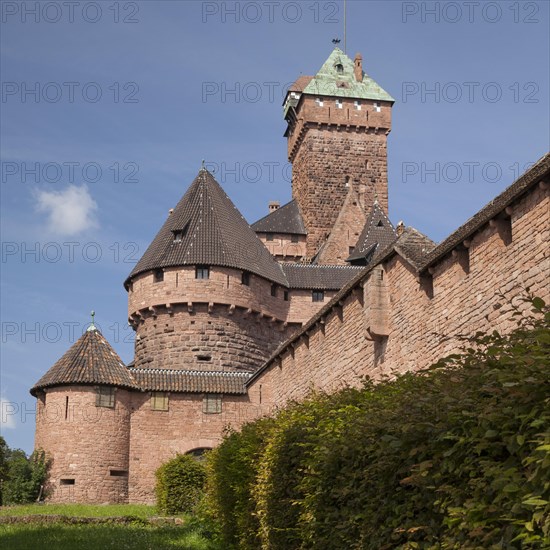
21 477
456 456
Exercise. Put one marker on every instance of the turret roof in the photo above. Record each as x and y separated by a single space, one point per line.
206 228
329 82
90 360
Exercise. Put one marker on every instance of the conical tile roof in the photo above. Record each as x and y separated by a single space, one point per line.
90 360
376 235
206 228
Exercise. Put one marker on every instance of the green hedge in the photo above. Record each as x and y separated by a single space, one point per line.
454 457
180 484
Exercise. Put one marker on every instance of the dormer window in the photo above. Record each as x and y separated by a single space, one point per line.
357 105
179 234
338 103
340 68
319 102
377 107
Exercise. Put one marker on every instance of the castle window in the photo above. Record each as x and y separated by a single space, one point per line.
318 296
202 272
66 481
274 290
118 473
159 401
158 276
269 236
285 295
357 105
245 278
212 404
105 397
204 358
294 239
377 107
340 68
338 103
319 102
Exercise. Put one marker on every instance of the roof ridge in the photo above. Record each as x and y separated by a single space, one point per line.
184 371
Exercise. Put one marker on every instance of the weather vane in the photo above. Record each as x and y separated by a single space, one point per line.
92 324
336 41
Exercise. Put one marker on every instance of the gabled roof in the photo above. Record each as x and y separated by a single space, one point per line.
213 232
174 380
319 277
328 82
376 235
287 220
90 360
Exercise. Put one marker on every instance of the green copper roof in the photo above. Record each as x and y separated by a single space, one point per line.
329 82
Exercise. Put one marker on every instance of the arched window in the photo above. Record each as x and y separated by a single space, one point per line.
198 453
340 68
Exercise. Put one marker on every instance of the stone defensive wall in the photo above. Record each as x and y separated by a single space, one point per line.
410 308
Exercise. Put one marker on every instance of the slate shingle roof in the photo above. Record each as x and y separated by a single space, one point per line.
286 220
376 235
190 381
90 360
214 233
319 277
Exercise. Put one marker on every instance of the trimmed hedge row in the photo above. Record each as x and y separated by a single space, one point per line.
454 457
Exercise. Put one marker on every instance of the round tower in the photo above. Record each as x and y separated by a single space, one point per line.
83 423
207 294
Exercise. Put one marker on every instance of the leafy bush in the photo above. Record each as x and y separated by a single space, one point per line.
180 484
455 457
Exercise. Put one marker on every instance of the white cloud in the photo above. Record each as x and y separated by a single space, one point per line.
70 211
8 410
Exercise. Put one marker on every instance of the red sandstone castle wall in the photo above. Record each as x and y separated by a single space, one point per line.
85 443
421 329
157 436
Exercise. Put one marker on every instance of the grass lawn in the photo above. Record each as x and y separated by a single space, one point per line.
80 510
137 535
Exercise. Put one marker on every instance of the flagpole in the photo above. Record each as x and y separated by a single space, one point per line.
345 34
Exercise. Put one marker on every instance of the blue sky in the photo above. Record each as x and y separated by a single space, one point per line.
108 110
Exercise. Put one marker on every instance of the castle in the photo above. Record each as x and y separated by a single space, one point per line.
234 320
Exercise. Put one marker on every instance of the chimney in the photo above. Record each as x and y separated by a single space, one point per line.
358 70
273 205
